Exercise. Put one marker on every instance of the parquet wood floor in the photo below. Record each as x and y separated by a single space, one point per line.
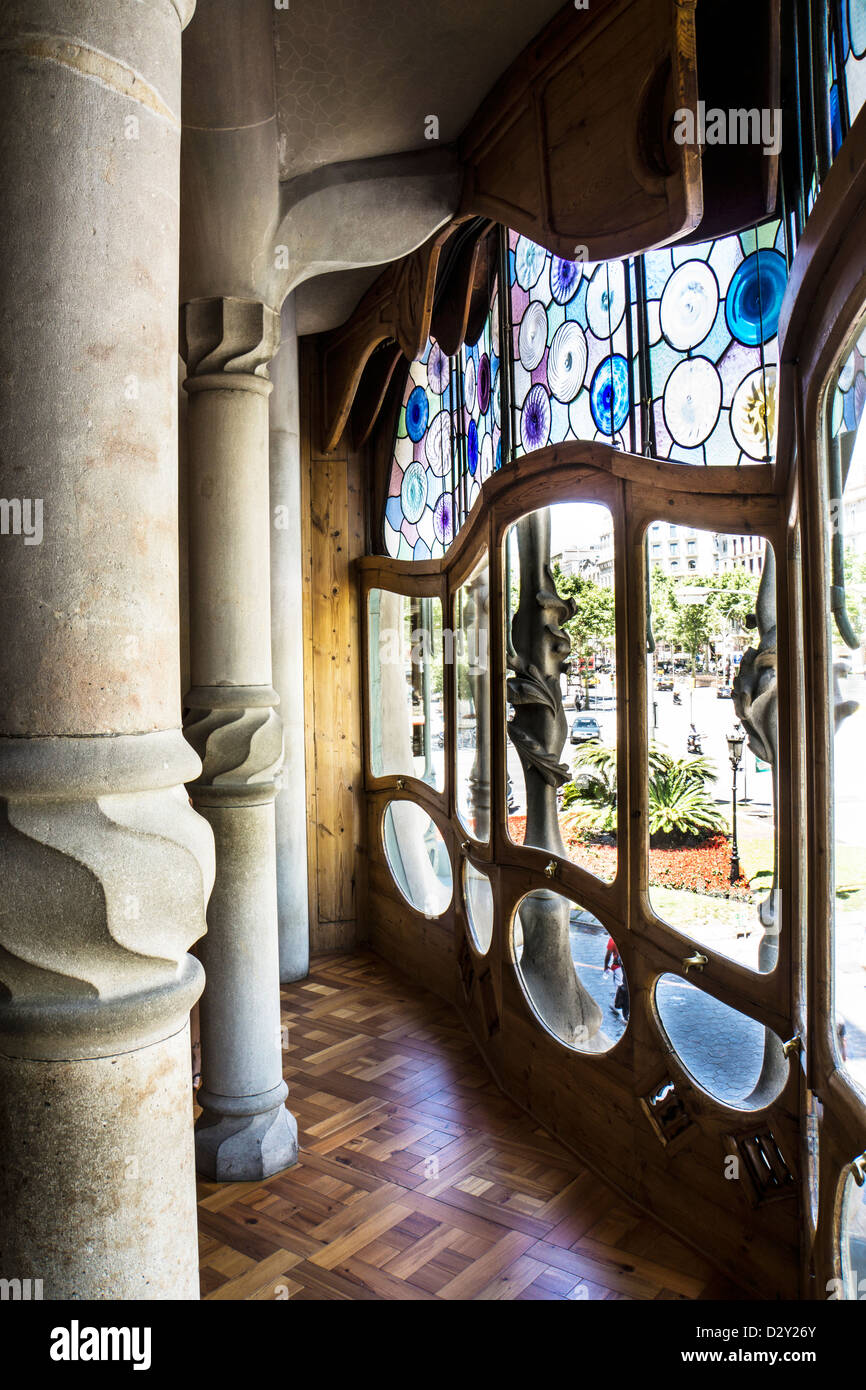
418 1178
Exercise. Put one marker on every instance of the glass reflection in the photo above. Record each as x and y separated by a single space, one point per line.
478 895
713 740
472 676
407 726
847 700
853 1245
560 644
733 1057
570 968
417 857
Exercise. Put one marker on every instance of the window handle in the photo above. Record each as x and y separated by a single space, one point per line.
697 961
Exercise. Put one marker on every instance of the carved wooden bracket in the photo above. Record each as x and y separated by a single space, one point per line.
398 306
575 148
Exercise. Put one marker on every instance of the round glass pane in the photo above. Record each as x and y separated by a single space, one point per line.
566 363
853 1240
571 971
478 895
732 1057
417 857
688 304
692 399
755 297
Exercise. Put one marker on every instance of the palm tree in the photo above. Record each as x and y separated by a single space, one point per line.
681 807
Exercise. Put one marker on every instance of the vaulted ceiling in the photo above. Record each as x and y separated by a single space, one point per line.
357 78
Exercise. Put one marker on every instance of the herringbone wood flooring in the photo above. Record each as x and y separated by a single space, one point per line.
417 1178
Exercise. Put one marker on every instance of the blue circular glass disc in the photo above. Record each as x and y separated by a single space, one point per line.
472 447
564 279
413 492
608 394
417 412
755 296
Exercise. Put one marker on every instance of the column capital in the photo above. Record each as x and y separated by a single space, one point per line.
185 11
241 749
228 336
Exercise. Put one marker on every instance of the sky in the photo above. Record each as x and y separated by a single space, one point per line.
577 523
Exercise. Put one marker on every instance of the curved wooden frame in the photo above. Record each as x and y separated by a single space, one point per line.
597 1103
540 1072
826 297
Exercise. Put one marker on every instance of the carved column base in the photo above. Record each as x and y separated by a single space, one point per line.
245 1133
105 869
233 1147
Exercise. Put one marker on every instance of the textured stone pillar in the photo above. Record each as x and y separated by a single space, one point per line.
245 1132
105 866
287 646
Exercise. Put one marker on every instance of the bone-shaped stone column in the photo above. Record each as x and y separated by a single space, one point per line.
105 867
245 1132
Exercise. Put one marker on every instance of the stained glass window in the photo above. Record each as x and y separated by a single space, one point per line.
673 354
448 443
572 337
852 29
712 316
419 511
479 366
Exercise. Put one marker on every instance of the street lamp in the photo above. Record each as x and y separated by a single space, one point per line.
736 739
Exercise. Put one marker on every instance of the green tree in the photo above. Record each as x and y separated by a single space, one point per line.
734 595
693 624
855 590
594 623
663 605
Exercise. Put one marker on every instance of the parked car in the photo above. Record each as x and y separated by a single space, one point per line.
664 683
584 729
723 692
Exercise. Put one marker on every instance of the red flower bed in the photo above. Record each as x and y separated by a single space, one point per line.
702 868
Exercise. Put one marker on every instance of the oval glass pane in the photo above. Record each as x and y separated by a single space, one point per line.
732 1057
472 677
711 703
478 895
417 857
853 1240
571 972
561 688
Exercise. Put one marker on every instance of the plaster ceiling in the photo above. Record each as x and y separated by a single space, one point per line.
357 78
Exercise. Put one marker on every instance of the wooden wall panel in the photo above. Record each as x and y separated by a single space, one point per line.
333 536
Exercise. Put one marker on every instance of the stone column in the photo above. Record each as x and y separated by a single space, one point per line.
105 866
287 647
245 1132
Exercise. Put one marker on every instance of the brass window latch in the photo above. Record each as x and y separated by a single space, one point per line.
697 962
794 1044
